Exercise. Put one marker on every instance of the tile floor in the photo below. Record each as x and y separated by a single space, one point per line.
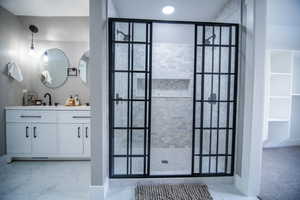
218 191
45 180
69 180
281 174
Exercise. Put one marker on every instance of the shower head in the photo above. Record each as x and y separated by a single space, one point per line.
207 40
125 36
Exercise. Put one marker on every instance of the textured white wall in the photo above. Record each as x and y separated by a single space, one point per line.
12 47
73 85
99 99
283 25
231 12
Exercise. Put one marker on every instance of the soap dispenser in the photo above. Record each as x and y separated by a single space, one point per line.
76 99
70 101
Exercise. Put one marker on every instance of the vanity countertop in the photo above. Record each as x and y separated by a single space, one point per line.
60 107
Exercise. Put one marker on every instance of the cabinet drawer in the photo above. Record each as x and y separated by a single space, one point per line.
30 116
73 116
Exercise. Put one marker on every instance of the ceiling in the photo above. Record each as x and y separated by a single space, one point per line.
75 29
204 10
47 7
197 10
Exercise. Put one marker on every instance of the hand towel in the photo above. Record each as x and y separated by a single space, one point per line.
15 72
46 77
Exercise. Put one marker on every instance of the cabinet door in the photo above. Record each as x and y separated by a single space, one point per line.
87 140
18 138
44 139
70 139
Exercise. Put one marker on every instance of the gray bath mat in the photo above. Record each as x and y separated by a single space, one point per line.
172 192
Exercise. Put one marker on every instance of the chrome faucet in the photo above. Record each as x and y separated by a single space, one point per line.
49 97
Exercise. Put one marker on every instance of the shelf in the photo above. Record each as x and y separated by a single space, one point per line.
281 62
278 120
295 94
280 74
280 97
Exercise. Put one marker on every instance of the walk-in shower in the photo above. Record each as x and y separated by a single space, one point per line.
173 95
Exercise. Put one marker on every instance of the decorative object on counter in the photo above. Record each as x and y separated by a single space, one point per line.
33 29
84 67
72 71
70 101
14 71
38 102
54 66
76 99
87 104
56 104
31 98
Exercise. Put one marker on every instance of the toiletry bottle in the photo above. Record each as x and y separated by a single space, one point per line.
71 101
25 98
76 99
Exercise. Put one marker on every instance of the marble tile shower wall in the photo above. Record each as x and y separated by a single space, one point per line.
172 118
172 86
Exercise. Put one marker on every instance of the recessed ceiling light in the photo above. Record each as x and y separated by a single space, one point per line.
168 10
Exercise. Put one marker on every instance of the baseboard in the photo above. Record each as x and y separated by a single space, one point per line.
239 184
106 187
97 192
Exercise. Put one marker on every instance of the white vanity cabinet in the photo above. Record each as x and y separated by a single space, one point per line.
53 132
74 139
44 139
18 139
31 138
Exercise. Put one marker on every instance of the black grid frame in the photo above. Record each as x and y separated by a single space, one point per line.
131 100
208 78
198 155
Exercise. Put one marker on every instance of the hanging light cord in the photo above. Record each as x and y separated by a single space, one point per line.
32 46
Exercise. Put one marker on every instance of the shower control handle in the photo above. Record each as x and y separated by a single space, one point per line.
118 98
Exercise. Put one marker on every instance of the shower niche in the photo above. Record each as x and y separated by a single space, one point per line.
172 98
167 87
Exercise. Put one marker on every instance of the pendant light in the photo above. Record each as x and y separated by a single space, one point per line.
33 30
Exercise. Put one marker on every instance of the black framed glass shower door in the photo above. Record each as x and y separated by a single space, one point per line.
130 98
214 98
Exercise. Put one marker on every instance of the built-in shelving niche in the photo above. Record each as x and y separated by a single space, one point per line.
171 86
283 97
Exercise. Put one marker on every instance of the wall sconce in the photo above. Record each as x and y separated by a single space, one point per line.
45 57
33 30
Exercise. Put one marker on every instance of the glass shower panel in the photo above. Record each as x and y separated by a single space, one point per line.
172 99
130 98
173 96
215 100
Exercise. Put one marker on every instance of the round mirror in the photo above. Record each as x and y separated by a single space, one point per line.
54 66
83 67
